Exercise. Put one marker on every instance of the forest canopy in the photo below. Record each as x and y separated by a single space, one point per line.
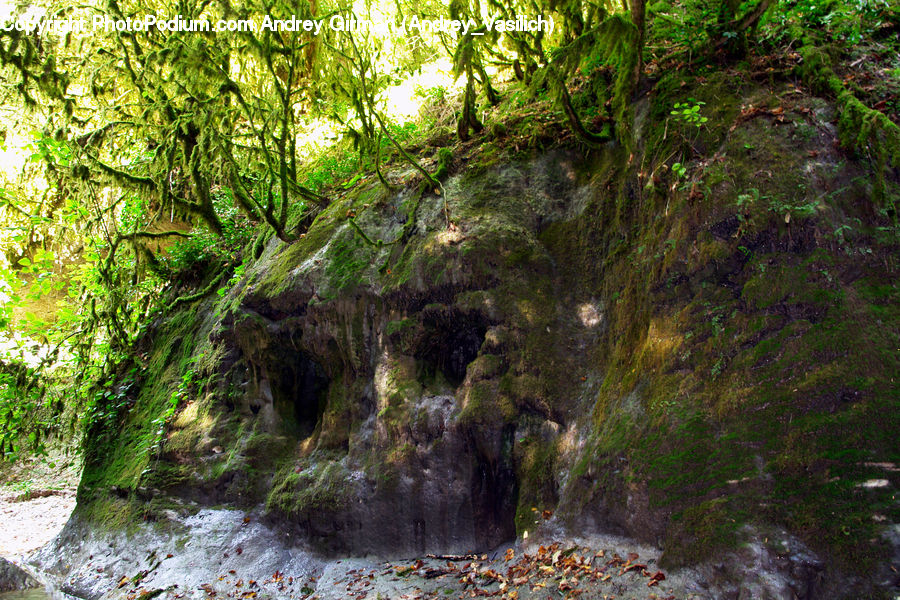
150 155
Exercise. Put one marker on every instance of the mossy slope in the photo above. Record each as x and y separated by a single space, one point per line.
693 358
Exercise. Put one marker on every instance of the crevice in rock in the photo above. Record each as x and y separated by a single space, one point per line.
494 493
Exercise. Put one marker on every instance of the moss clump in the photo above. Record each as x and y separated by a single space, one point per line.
485 366
702 530
866 129
120 447
780 283
320 484
534 458
405 334
398 327
348 258
485 408
109 513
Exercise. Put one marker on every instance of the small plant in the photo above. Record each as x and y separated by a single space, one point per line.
679 169
235 279
781 207
746 199
840 234
689 112
23 487
717 325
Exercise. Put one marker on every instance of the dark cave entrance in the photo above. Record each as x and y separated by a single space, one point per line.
299 390
452 340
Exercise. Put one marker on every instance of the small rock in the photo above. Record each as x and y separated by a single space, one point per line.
12 578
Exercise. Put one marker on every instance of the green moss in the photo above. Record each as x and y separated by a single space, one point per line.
485 408
701 531
108 513
398 327
868 130
790 284
313 486
535 459
485 366
348 255
348 259
120 448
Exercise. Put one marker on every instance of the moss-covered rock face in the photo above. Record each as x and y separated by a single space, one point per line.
695 359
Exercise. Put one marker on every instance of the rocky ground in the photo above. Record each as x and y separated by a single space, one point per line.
231 554
202 554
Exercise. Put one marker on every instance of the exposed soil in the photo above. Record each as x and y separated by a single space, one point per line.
26 525
36 500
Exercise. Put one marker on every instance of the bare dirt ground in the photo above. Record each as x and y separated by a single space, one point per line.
36 500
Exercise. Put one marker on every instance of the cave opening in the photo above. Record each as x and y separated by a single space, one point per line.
452 341
299 392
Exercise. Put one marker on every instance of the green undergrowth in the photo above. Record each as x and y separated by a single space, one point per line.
120 457
143 449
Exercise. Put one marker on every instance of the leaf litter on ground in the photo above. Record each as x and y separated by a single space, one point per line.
550 571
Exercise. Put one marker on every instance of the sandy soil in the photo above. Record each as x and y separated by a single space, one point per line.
27 525
36 498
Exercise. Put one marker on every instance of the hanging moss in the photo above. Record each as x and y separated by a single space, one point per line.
865 129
